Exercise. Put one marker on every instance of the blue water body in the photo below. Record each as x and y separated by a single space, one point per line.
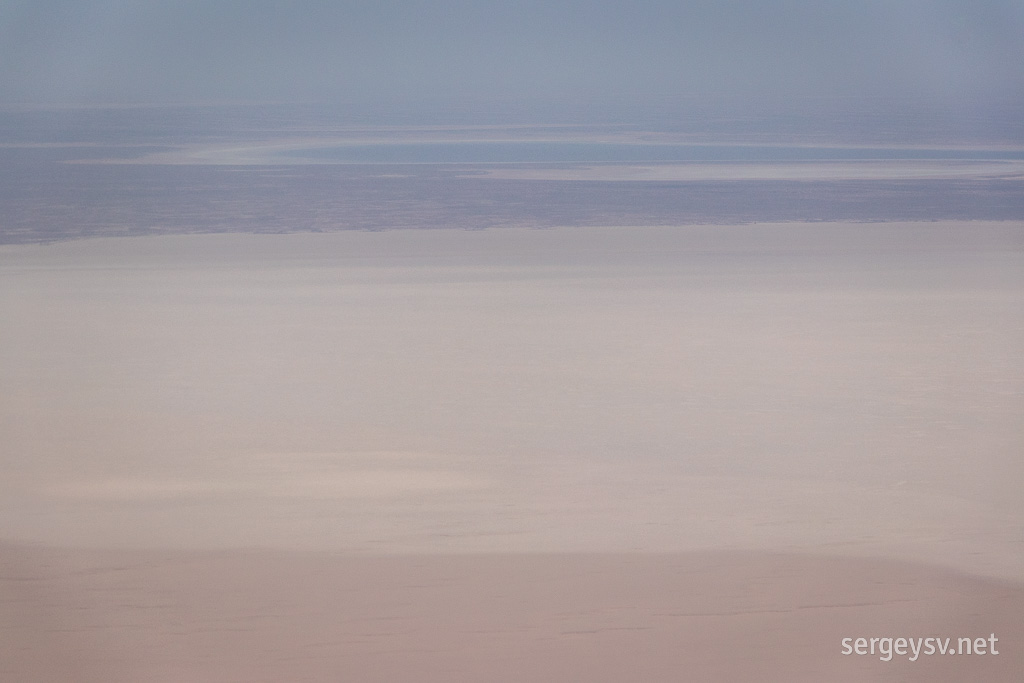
604 152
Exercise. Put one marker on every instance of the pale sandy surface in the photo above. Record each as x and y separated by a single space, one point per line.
302 151
840 390
169 617
271 153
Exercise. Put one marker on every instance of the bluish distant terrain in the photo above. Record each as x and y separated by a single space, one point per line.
86 172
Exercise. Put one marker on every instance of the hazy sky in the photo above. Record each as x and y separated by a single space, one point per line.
465 51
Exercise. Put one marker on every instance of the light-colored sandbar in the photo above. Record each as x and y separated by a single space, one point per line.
214 617
811 171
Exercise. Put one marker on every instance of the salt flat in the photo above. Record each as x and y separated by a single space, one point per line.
855 388
805 424
218 616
